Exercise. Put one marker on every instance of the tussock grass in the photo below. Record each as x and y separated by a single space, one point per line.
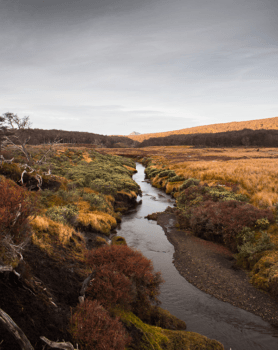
97 221
51 236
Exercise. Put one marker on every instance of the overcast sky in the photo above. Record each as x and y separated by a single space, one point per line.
117 66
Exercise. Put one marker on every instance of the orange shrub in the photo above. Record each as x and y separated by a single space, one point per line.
123 276
92 328
16 204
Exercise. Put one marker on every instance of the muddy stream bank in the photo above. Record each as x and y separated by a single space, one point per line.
235 328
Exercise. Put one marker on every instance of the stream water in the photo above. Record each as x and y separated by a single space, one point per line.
235 328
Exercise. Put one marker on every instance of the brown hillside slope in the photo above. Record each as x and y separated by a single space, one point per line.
267 123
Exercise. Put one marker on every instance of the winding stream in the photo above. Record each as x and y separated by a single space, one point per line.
235 328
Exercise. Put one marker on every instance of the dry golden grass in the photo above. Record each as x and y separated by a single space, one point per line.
266 123
130 194
98 221
130 169
254 171
49 235
86 157
173 186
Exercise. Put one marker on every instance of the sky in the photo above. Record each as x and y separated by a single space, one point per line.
112 67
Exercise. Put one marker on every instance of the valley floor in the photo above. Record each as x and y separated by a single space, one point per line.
211 268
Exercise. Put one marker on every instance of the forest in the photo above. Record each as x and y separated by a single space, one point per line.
245 137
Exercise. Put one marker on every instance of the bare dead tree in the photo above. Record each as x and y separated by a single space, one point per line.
17 126
18 140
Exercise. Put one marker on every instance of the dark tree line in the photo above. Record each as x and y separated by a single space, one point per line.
40 136
245 137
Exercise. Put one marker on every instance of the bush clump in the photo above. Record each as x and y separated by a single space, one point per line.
222 221
167 173
250 245
66 214
176 178
189 182
97 202
16 205
152 172
92 327
124 277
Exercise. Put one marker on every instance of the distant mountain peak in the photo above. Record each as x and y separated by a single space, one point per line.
135 133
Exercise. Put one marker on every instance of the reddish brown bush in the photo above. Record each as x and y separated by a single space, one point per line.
92 328
16 204
110 287
123 276
222 221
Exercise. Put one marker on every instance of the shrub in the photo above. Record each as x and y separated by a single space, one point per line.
189 182
66 214
110 287
92 328
16 205
120 267
222 221
262 223
118 240
221 194
168 173
176 178
192 196
97 202
152 172
251 245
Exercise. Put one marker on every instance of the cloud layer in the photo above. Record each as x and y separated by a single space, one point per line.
113 67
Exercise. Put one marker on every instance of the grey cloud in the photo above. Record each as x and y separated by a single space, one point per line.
118 61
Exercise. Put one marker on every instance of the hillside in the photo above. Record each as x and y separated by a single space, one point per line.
267 124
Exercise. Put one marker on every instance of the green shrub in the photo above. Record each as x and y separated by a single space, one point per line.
221 194
152 172
176 178
97 202
262 223
118 240
66 214
189 182
251 245
168 173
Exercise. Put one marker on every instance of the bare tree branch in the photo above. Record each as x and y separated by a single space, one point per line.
63 345
53 144
3 160
16 332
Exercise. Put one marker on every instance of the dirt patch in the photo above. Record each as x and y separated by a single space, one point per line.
211 268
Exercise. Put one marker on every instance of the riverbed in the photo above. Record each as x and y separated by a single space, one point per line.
235 328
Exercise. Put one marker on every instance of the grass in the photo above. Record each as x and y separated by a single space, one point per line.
156 338
253 172
241 173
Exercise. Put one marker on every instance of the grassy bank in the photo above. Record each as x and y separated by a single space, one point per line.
50 216
225 195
